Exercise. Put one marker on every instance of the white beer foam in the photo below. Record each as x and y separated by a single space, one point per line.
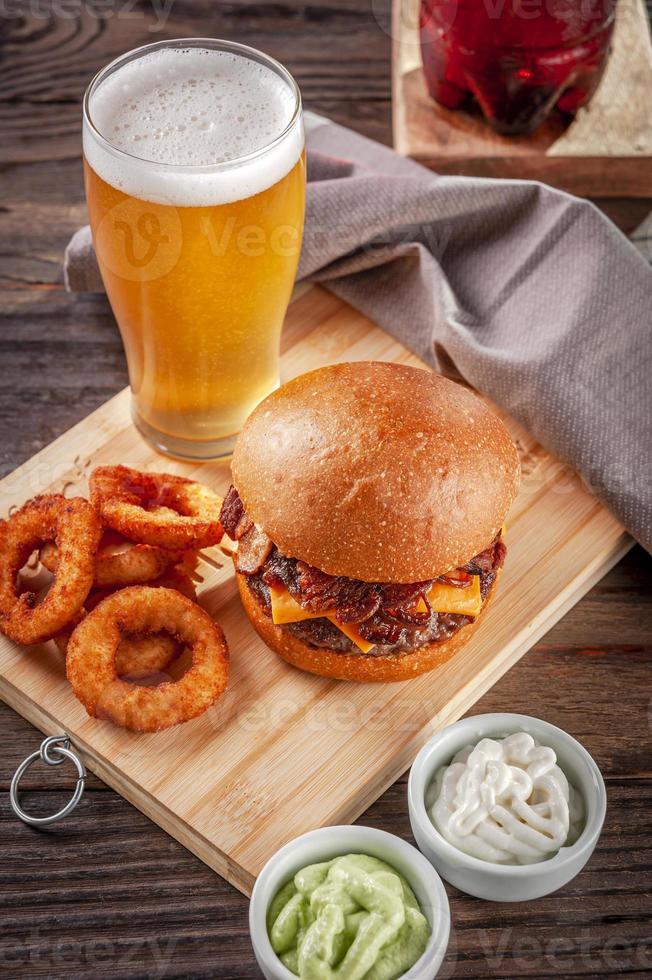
178 108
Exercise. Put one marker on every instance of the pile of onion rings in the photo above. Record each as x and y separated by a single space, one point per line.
120 602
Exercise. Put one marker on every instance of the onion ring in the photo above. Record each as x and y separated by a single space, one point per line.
91 659
75 528
157 508
138 656
176 578
133 564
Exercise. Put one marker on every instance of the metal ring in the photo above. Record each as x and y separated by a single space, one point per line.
53 751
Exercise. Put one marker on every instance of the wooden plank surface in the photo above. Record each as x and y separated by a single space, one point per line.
606 149
109 894
255 751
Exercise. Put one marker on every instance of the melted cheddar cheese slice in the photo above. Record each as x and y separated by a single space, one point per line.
353 634
285 609
452 599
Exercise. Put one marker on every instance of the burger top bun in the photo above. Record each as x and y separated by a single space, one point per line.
376 471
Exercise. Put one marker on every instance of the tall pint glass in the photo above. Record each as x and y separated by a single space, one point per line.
194 168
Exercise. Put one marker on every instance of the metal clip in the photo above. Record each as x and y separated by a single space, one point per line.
53 751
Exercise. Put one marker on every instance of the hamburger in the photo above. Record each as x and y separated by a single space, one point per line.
366 516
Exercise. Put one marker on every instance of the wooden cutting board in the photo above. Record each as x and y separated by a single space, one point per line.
283 751
605 152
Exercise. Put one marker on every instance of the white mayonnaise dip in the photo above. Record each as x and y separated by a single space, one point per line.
506 801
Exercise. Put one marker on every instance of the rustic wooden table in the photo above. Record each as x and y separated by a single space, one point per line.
109 894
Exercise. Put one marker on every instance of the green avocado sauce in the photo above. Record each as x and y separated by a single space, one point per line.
352 918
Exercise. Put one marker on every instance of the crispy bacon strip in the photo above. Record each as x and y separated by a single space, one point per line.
232 516
459 578
253 550
351 601
491 559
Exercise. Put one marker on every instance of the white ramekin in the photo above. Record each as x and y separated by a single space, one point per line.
330 842
500 882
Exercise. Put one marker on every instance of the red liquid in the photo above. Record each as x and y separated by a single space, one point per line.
516 58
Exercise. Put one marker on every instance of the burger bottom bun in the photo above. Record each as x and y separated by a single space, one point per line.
354 667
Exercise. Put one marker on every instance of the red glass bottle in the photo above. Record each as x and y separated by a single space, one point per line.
516 58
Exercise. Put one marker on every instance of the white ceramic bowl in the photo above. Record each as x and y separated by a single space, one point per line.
500 882
327 843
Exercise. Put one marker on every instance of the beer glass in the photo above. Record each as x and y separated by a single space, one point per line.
194 168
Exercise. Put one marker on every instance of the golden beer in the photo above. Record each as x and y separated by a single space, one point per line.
197 230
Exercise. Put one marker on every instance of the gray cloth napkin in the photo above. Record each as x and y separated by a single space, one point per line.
529 294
